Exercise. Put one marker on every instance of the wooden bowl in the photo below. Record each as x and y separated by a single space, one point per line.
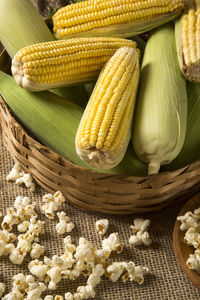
181 249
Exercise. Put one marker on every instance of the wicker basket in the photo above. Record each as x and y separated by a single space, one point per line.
89 190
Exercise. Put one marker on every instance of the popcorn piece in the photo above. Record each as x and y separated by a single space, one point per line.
22 227
6 245
37 251
48 297
102 226
38 268
58 297
112 243
51 204
86 292
140 238
17 256
21 202
96 274
35 291
27 179
15 173
140 224
115 270
56 265
2 288
134 272
9 219
64 225
193 262
69 296
192 237
188 220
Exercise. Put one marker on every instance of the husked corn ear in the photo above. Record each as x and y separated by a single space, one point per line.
53 64
161 112
113 17
104 131
188 42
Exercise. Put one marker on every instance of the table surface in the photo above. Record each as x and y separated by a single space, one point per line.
165 280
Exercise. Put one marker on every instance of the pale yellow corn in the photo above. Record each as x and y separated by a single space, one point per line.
53 64
113 17
104 131
188 47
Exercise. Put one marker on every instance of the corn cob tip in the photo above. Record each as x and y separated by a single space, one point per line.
153 167
105 128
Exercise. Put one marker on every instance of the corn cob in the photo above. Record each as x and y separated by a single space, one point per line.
23 27
53 64
104 131
188 42
120 18
161 114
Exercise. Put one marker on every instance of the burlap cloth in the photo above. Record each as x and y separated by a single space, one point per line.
165 281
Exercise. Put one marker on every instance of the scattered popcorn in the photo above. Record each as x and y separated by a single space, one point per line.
140 224
112 243
102 226
37 251
2 288
51 204
140 238
25 287
18 175
65 224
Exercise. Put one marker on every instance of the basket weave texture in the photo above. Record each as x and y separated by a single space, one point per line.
90 190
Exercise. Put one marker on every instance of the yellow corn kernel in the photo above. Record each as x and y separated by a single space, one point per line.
104 131
102 18
59 63
188 43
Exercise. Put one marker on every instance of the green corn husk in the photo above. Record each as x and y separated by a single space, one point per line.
54 122
191 148
21 25
161 112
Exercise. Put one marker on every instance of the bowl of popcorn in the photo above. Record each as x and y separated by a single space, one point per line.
186 239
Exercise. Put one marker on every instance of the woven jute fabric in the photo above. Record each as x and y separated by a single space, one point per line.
165 280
